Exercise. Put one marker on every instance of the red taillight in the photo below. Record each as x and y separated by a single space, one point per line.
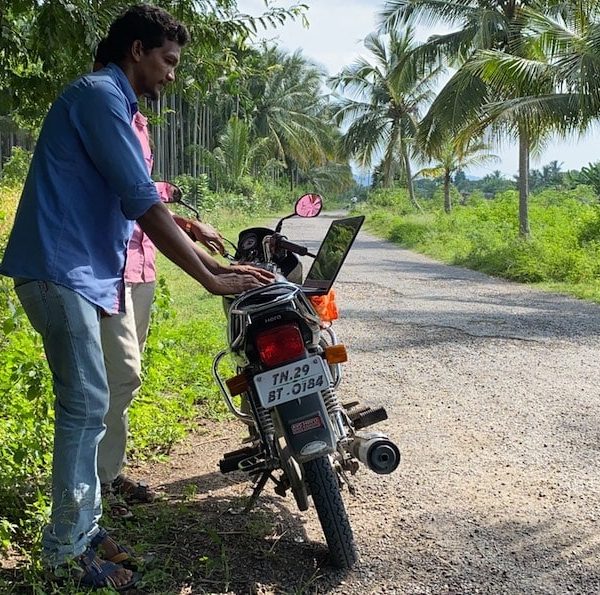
280 344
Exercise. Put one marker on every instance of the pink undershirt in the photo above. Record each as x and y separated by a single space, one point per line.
141 252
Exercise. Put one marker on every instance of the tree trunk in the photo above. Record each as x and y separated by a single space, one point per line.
409 180
195 141
524 230
156 133
180 119
173 138
447 199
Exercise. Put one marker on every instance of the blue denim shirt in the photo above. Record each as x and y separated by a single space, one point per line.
86 184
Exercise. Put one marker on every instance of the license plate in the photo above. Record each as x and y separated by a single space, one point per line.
290 382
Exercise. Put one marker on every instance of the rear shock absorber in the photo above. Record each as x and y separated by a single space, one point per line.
335 410
265 421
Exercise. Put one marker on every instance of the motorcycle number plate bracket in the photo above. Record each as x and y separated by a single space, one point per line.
292 381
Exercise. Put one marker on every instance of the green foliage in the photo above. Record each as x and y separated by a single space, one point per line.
15 169
589 175
26 428
564 247
44 45
238 155
395 199
252 197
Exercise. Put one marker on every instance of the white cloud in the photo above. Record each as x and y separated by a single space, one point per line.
335 33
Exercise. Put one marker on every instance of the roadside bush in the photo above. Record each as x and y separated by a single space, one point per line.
9 198
483 234
394 199
274 196
252 196
437 200
194 189
26 423
16 167
411 231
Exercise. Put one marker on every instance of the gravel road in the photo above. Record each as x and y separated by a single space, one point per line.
492 394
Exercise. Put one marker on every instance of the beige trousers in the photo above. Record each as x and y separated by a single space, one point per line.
123 338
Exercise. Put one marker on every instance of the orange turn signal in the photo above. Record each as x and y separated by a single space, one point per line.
237 385
336 354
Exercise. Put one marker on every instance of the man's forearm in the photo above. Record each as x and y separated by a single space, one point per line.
158 224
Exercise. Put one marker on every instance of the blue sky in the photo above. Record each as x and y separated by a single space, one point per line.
334 40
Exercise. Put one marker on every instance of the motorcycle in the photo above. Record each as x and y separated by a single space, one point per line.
288 361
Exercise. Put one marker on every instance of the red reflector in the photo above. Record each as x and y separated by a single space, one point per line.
280 344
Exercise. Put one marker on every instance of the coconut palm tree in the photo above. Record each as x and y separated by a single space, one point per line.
477 25
289 108
380 98
451 158
558 83
562 79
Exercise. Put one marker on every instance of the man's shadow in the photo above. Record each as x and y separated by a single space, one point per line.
198 537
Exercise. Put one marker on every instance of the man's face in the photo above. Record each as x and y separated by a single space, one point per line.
155 68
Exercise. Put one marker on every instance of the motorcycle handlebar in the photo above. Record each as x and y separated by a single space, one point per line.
281 242
292 247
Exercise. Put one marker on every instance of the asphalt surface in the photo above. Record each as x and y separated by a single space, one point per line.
492 393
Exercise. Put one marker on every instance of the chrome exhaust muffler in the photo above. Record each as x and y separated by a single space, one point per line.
376 451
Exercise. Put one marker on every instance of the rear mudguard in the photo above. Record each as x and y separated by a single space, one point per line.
305 425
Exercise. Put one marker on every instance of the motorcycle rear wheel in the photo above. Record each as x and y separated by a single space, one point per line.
325 490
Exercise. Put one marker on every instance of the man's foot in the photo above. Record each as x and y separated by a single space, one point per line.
89 570
116 506
133 491
108 549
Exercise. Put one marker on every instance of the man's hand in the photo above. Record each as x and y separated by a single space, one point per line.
206 234
246 269
234 283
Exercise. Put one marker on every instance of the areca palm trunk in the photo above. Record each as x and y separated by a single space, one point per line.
524 230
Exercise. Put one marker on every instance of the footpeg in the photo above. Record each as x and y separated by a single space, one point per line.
231 460
252 463
369 417
355 411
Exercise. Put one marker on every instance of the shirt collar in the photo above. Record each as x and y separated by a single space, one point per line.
125 86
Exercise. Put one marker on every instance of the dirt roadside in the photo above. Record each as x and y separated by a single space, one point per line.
492 394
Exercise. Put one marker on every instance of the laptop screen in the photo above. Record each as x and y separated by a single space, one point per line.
332 254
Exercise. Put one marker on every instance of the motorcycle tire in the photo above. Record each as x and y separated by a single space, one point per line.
325 491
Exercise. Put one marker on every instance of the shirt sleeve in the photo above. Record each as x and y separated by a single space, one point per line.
101 117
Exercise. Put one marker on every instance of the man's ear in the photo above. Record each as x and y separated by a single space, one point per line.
137 49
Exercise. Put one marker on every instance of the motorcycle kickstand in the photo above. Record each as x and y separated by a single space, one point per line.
258 488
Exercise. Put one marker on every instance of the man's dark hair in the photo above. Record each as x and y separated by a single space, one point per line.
103 53
150 24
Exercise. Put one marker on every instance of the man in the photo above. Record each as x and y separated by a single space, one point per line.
86 185
124 334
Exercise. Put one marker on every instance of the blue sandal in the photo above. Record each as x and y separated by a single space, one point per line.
88 570
124 556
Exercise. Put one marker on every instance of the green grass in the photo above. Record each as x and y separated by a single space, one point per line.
562 254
